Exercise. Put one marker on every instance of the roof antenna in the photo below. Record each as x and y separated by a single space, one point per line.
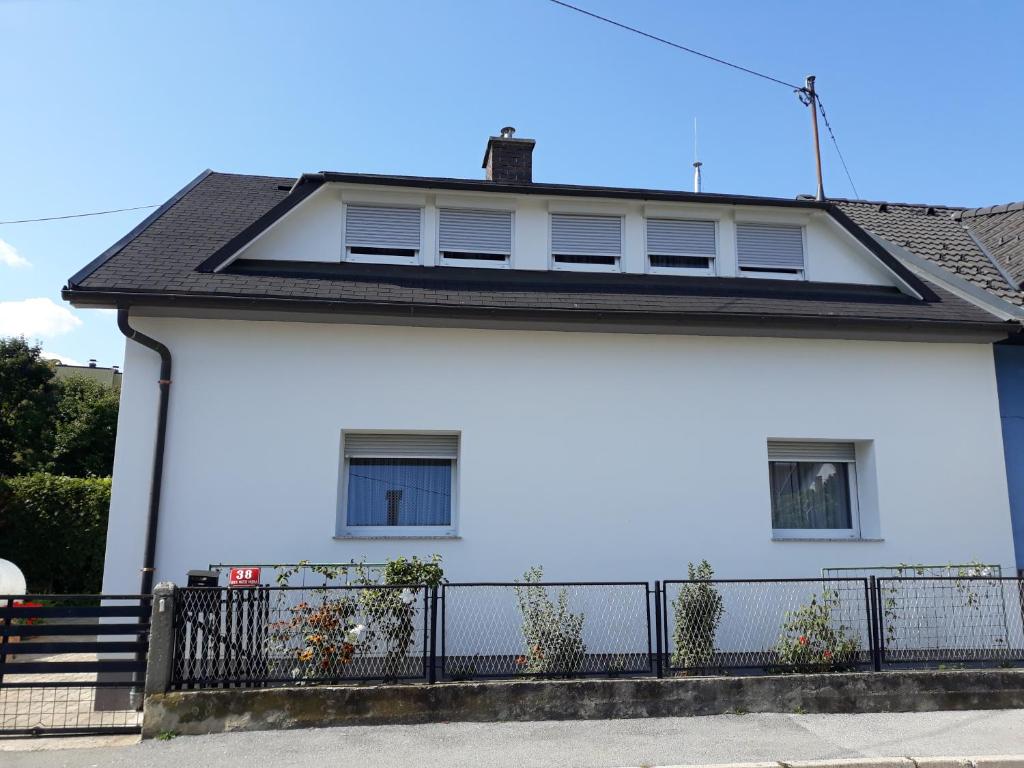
696 163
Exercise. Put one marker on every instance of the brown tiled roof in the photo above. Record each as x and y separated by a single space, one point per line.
160 260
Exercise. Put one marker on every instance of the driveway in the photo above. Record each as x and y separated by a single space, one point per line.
582 744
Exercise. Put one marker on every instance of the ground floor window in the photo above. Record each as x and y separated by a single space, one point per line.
813 487
398 484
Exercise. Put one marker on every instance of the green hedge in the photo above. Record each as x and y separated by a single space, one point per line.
55 528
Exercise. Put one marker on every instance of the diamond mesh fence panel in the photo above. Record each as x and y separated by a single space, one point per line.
545 629
961 619
802 625
299 635
69 707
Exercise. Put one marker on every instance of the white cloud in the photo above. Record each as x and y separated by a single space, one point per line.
61 358
10 257
36 318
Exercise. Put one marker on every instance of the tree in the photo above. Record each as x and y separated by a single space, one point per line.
84 428
27 400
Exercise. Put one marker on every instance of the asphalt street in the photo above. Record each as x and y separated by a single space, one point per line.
568 744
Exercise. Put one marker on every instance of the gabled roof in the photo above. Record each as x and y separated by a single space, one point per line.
166 261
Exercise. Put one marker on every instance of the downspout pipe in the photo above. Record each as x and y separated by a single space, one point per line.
153 519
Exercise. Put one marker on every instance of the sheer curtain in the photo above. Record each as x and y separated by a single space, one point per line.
399 491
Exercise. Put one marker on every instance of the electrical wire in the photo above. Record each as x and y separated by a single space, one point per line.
80 215
662 40
849 178
800 91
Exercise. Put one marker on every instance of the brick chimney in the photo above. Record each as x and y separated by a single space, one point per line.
509 160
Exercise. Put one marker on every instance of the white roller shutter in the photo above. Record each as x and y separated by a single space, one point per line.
668 237
375 226
810 450
770 246
384 445
576 235
465 231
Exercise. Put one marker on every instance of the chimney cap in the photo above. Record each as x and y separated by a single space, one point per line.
508 132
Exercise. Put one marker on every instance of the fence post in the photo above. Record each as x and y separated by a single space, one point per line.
658 668
432 668
161 639
875 619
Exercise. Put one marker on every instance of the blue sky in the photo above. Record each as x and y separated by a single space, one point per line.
115 104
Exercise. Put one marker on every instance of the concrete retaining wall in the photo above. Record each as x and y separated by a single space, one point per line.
199 712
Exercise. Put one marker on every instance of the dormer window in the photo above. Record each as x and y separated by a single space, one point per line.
382 234
681 246
586 242
472 238
770 250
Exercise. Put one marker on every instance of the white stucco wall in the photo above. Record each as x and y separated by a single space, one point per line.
600 456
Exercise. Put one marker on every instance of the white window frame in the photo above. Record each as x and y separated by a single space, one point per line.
563 267
346 531
711 269
769 274
478 263
382 258
852 533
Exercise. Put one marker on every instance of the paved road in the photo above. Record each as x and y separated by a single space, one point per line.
588 744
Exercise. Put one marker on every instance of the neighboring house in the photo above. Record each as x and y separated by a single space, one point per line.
109 376
977 248
609 382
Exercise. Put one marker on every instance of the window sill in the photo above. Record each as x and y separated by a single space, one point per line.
390 537
815 539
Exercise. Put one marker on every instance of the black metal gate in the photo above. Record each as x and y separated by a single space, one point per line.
72 664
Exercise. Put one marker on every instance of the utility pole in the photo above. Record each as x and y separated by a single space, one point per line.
811 99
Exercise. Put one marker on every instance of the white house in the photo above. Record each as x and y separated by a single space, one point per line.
608 382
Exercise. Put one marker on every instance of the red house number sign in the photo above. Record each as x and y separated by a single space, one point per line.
244 577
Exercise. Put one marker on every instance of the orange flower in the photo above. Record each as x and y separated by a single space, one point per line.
305 655
826 654
520 660
802 640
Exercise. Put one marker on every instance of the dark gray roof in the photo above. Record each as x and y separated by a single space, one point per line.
1000 229
943 234
159 262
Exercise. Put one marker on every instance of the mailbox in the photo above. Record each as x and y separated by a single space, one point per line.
204 578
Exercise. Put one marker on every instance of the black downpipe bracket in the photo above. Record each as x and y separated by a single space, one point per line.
149 557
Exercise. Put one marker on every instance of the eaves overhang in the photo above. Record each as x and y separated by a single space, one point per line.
818 325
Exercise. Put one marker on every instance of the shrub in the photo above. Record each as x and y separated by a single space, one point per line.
812 641
553 634
391 613
55 528
698 611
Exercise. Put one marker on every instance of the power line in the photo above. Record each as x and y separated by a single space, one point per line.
849 178
800 90
79 215
662 40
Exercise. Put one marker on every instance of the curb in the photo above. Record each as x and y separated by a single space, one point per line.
989 761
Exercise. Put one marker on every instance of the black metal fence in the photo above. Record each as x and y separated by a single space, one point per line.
72 664
267 636
762 625
502 629
299 636
969 620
